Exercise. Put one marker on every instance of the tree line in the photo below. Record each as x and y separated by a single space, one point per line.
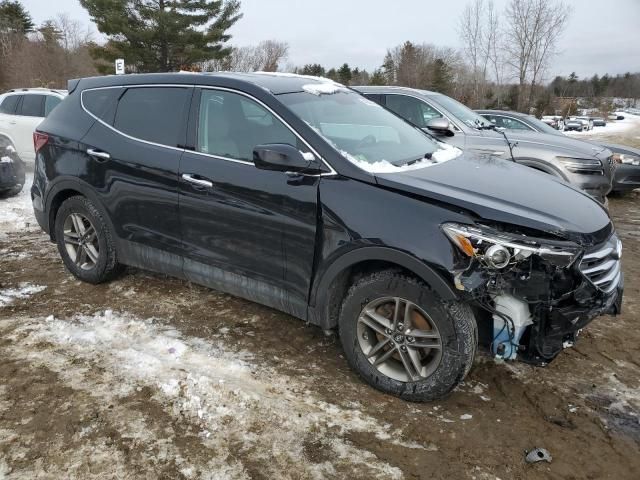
503 63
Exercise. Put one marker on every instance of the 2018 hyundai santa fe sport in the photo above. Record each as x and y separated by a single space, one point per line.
302 195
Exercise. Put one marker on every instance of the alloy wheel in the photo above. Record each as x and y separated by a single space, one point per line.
399 339
81 241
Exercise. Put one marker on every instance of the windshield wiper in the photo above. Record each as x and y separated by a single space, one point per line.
426 156
491 126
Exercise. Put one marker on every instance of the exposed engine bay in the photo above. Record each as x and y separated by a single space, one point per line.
539 296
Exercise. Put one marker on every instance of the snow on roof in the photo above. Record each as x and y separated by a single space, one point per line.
302 77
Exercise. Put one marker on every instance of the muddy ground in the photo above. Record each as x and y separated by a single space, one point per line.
149 377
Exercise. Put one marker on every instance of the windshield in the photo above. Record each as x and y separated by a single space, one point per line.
461 112
361 129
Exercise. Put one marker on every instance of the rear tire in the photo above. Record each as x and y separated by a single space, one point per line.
85 242
403 357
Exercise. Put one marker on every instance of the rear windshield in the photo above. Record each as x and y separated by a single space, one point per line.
360 129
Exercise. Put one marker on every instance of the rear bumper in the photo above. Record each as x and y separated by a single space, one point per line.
38 209
11 174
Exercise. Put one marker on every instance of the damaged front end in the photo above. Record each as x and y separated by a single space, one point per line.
540 292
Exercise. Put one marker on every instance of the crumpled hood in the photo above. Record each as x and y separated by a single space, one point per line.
502 191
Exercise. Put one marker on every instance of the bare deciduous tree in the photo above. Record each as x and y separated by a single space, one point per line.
473 30
266 56
533 28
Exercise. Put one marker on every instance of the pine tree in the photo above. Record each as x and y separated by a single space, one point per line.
378 78
332 74
344 74
442 76
14 18
162 35
314 69
389 70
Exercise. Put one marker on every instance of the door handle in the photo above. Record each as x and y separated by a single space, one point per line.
189 177
98 154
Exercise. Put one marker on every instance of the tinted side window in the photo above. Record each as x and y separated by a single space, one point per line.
32 106
50 103
231 125
510 123
102 102
412 109
9 104
375 97
155 114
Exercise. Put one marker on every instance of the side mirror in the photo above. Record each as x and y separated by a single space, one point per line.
440 126
282 157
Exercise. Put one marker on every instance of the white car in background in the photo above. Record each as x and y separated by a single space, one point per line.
21 111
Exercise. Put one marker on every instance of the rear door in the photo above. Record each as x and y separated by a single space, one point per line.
28 116
246 231
133 153
8 107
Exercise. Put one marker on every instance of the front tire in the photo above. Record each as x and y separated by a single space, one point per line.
402 339
85 242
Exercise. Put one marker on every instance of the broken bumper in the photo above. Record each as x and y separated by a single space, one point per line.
559 327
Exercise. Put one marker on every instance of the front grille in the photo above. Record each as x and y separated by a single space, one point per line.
612 164
602 266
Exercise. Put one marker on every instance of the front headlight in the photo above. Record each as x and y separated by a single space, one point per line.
626 159
582 165
497 250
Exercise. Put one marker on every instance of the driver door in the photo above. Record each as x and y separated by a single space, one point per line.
243 228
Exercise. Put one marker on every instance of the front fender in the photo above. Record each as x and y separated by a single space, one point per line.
319 298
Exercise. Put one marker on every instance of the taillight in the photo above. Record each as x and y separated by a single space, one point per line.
39 140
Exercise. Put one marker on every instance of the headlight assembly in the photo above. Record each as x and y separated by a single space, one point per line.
582 165
498 250
626 159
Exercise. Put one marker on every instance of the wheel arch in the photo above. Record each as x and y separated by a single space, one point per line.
329 289
61 191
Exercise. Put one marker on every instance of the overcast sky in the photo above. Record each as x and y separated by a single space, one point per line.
602 36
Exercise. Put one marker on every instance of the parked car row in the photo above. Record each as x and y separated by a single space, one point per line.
401 217
582 164
626 159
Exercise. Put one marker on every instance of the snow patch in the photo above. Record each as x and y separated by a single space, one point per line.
466 416
295 75
24 291
16 213
232 401
612 128
324 88
444 154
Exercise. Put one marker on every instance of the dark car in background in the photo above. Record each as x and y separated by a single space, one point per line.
12 170
599 122
303 195
627 159
583 165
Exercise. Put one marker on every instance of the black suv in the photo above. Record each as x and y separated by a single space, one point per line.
300 194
